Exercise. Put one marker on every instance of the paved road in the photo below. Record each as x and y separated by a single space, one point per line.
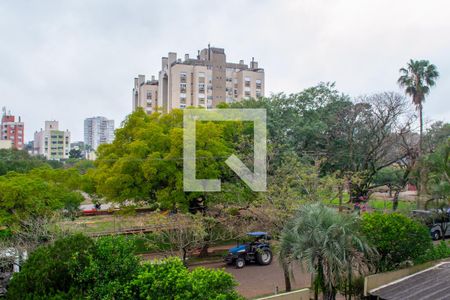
255 280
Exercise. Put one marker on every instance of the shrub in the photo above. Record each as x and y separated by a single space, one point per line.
397 238
170 279
440 251
49 271
77 267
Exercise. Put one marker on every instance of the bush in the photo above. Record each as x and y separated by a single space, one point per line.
440 251
397 238
170 279
50 270
112 264
77 267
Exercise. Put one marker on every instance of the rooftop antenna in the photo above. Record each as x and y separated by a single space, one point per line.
209 51
4 110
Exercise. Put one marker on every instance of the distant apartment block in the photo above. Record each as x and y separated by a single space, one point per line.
97 131
11 130
51 142
204 81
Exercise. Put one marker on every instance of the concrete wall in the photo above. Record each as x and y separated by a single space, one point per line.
374 281
303 294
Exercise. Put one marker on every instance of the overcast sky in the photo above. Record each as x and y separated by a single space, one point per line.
68 60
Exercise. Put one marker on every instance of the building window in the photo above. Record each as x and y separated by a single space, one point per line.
201 88
247 81
247 94
258 94
149 95
183 77
182 106
182 87
258 84
183 100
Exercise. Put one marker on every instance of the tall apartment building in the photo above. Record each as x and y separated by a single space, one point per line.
97 131
11 130
51 142
204 81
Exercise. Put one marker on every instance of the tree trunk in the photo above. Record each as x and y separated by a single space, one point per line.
395 200
420 173
287 277
421 129
340 192
204 250
184 256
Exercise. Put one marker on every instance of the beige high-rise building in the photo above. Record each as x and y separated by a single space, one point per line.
51 142
204 81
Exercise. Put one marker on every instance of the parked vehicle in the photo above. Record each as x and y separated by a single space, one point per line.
438 220
257 251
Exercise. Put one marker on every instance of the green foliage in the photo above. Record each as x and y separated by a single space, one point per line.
438 165
170 279
389 176
77 267
397 238
75 153
37 194
440 251
347 138
417 79
436 135
328 243
145 161
111 265
18 161
51 270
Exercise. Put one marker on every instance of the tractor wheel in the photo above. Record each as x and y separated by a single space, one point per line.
436 235
240 263
264 257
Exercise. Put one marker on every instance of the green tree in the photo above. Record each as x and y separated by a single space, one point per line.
397 238
111 265
75 153
438 175
145 161
51 270
18 161
417 78
328 243
36 194
436 134
77 267
353 139
170 279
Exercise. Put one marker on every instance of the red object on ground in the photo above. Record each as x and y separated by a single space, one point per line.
89 212
412 187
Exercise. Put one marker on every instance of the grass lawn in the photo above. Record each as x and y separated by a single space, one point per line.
112 223
378 204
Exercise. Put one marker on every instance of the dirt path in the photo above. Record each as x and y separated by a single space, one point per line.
255 280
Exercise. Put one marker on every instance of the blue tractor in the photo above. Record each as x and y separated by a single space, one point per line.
257 251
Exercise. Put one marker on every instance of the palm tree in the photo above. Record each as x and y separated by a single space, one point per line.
417 79
328 244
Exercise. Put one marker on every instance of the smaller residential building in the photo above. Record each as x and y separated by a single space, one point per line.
52 143
12 130
97 131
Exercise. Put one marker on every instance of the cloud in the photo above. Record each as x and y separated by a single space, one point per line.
68 60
